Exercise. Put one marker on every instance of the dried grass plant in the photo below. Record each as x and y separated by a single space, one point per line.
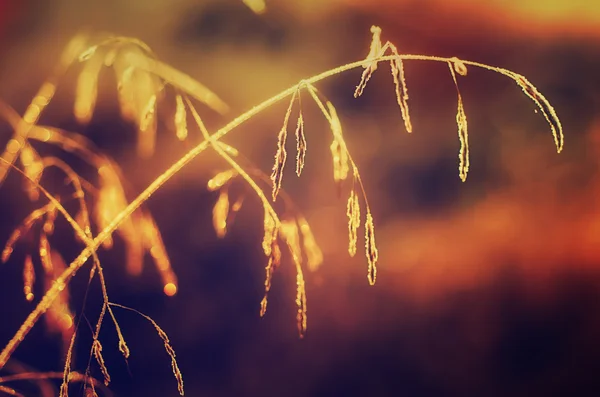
102 207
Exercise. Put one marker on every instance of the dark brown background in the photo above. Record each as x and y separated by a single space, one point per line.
485 288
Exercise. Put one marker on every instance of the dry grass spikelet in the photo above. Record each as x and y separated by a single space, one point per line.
147 126
87 53
544 106
235 208
64 387
281 154
220 213
301 316
353 213
23 127
87 85
147 116
138 93
272 251
229 150
270 235
125 89
378 50
397 67
375 51
44 251
273 263
9 246
22 229
314 255
224 215
141 79
110 194
300 144
166 342
139 232
221 179
280 158
180 119
371 248
111 201
463 134
28 278
34 167
152 241
97 349
289 234
48 227
339 153
170 351
59 317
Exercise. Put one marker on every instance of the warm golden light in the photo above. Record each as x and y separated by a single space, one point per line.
220 213
144 84
170 289
257 6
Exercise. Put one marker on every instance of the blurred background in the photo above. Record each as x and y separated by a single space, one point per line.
489 287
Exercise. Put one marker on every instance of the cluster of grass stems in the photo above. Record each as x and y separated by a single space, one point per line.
102 205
